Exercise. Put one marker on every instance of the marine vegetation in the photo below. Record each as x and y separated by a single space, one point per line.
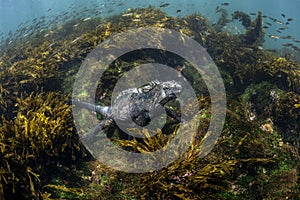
255 157
36 143
243 17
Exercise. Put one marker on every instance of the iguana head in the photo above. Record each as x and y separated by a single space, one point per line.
164 87
171 87
160 90
169 90
150 97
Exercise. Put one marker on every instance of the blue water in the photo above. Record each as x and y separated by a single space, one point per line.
15 12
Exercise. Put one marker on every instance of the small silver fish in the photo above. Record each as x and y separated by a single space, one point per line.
274 36
127 14
164 5
86 19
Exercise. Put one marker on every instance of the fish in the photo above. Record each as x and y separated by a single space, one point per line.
269 23
247 49
164 5
282 28
272 50
225 4
76 39
274 36
86 19
279 22
260 48
265 27
178 11
252 13
290 19
51 45
127 14
283 15
287 37
276 20
264 16
272 18
287 44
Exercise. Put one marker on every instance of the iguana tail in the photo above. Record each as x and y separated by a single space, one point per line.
103 110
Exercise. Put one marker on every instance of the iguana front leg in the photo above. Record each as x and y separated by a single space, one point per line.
170 113
173 114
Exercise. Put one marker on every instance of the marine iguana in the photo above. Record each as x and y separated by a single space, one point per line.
139 105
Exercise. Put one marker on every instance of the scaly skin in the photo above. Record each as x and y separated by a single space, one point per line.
135 104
